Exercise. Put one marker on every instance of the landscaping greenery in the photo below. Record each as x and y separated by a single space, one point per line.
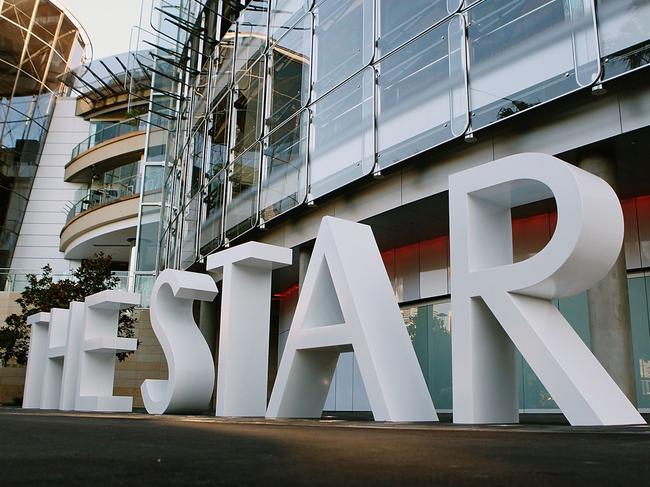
43 293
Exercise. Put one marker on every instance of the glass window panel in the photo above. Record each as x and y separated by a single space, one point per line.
162 253
643 216
211 227
343 42
248 108
523 53
400 22
284 15
188 240
624 32
284 182
171 252
289 73
153 179
417 86
241 206
251 35
218 130
144 286
223 64
342 136
196 160
148 239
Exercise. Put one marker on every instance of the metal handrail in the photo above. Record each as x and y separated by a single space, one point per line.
108 133
101 196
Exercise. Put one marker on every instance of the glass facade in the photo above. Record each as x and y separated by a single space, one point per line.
371 84
38 42
304 97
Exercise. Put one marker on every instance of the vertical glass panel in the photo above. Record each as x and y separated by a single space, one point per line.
289 73
196 160
248 108
171 252
343 42
251 35
148 238
144 286
631 241
162 252
341 146
624 32
284 181
222 70
188 239
211 235
284 15
439 324
218 130
523 53
152 184
407 272
416 96
400 22
241 207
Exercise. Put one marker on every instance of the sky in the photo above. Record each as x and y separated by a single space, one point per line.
108 23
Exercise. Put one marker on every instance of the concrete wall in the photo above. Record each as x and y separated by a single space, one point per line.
38 242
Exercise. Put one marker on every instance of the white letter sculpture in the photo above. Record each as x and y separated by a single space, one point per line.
496 303
347 303
57 338
98 344
242 371
76 314
190 363
36 360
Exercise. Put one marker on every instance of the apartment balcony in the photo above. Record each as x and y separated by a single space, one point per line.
103 219
111 147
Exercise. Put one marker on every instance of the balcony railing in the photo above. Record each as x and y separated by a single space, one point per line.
101 196
108 133
15 280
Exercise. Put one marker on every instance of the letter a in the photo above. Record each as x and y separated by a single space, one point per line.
497 303
189 360
347 304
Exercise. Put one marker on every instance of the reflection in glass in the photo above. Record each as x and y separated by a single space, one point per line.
152 184
430 330
284 181
189 234
148 238
400 22
223 64
211 226
218 130
251 35
284 15
197 159
523 53
624 32
289 73
415 96
241 205
342 135
343 42
248 108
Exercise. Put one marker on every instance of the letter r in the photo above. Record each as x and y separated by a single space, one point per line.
498 305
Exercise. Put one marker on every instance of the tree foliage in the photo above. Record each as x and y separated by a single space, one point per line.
43 293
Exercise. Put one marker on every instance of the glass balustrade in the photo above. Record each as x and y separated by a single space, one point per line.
108 133
96 197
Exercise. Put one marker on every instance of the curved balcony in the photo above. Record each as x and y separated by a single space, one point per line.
111 147
105 217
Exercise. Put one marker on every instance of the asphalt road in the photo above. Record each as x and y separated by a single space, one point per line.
39 448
